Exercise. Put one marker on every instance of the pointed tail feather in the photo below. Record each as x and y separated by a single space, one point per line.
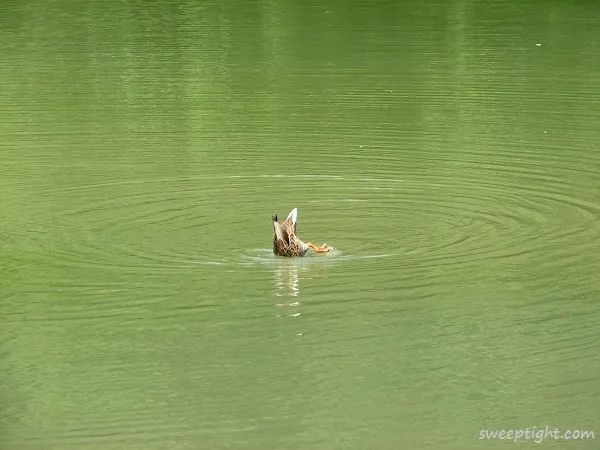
293 215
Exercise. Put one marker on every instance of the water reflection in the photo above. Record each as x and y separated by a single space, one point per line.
287 281
291 272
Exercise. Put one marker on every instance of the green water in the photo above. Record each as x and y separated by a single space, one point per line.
447 151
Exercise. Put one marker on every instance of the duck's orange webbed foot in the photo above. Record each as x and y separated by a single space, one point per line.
319 248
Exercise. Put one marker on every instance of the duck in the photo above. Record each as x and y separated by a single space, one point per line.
285 241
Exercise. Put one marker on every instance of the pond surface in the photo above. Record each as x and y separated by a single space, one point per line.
449 153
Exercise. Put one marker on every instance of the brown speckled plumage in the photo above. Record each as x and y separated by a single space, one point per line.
285 241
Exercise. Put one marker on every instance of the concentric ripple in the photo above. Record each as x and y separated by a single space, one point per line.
454 213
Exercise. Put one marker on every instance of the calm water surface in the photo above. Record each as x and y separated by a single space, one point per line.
448 152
